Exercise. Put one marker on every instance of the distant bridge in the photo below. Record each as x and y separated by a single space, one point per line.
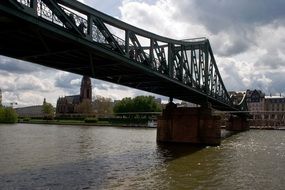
70 36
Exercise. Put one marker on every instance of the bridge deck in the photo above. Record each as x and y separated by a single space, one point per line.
35 39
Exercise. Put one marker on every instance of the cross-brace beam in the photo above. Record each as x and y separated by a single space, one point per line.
67 20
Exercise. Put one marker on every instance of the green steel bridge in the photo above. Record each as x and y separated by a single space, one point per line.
70 36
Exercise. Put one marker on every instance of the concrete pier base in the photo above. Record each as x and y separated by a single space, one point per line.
189 125
237 123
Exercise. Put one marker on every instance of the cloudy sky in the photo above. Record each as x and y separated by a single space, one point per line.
247 37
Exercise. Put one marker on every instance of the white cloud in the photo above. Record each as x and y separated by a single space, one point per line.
159 18
109 7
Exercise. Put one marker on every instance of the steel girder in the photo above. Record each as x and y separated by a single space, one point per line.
190 63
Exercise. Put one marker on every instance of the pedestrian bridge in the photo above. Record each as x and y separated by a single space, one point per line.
70 36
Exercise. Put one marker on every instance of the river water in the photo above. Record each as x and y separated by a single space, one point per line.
72 157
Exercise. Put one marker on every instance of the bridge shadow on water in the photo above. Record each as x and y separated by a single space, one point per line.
172 151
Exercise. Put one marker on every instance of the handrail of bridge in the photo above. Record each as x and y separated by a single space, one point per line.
190 62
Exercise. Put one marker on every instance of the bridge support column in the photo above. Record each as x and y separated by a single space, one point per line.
188 125
237 123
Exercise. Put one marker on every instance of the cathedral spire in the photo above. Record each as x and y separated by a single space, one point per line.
86 89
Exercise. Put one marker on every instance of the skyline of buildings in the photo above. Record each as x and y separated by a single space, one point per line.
266 110
256 99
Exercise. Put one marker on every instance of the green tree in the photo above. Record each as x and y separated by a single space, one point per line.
8 115
103 105
2 114
85 107
48 111
124 106
145 104
138 104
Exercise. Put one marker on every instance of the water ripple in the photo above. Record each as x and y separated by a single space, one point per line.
69 157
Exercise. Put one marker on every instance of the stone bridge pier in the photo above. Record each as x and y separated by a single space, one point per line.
237 123
189 125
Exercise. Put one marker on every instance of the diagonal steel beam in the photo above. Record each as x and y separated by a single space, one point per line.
63 17
108 35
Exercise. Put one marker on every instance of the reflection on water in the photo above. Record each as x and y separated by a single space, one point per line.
70 157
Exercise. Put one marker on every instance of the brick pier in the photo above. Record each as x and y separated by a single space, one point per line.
189 125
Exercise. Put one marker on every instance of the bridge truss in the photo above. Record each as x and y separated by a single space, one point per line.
68 35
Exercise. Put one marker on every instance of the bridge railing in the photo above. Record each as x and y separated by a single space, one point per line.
189 62
25 2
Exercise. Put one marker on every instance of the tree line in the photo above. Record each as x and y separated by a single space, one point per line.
137 104
105 106
8 115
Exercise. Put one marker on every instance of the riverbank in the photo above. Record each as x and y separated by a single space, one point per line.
82 123
67 122
118 124
268 127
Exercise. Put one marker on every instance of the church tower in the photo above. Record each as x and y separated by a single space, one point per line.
86 89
